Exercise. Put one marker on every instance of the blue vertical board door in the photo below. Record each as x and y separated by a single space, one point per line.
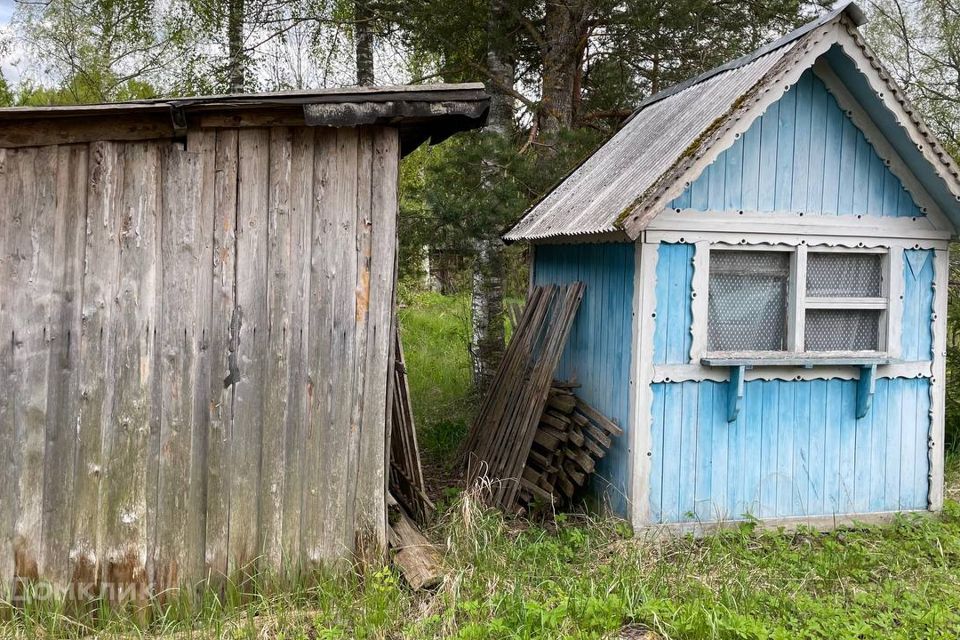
804 154
796 449
599 349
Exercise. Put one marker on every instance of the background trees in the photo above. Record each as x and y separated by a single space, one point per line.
919 41
562 75
94 51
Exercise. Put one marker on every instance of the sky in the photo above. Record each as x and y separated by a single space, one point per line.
17 65
6 11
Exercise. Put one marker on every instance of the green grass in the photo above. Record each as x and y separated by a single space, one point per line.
589 578
435 330
586 579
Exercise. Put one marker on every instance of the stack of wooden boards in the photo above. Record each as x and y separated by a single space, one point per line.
418 560
571 438
500 439
406 474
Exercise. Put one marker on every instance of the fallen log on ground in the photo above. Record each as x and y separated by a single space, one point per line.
419 561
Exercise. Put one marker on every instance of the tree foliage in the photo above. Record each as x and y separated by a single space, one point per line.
97 50
919 41
105 50
627 52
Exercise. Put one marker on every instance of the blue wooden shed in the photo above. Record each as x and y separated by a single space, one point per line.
765 254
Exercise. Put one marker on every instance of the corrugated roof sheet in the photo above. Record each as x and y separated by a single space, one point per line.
666 127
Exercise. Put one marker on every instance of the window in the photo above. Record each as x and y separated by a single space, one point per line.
798 300
748 301
844 302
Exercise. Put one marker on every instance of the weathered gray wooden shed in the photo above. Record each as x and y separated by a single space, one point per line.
196 310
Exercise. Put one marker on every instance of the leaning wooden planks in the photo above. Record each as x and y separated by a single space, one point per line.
571 438
406 474
502 435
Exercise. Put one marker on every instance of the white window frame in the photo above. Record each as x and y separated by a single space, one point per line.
798 302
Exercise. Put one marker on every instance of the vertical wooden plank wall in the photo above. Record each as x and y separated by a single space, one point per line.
804 154
376 294
8 431
796 449
222 346
63 392
195 348
176 551
280 355
31 189
100 275
301 222
598 350
251 289
126 439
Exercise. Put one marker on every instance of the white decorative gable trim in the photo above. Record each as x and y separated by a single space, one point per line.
771 88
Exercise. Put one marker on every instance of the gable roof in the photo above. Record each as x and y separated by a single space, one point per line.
675 134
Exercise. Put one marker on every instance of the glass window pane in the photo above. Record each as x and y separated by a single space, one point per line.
843 275
842 330
748 300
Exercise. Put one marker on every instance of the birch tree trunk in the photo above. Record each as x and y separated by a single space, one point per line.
363 41
235 54
487 291
487 310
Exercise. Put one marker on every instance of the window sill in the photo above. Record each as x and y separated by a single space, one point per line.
788 358
739 361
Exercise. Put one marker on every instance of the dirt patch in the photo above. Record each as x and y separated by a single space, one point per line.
635 632
439 478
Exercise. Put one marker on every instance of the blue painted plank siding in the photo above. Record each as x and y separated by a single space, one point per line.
804 154
817 451
797 448
598 351
789 453
916 337
672 336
